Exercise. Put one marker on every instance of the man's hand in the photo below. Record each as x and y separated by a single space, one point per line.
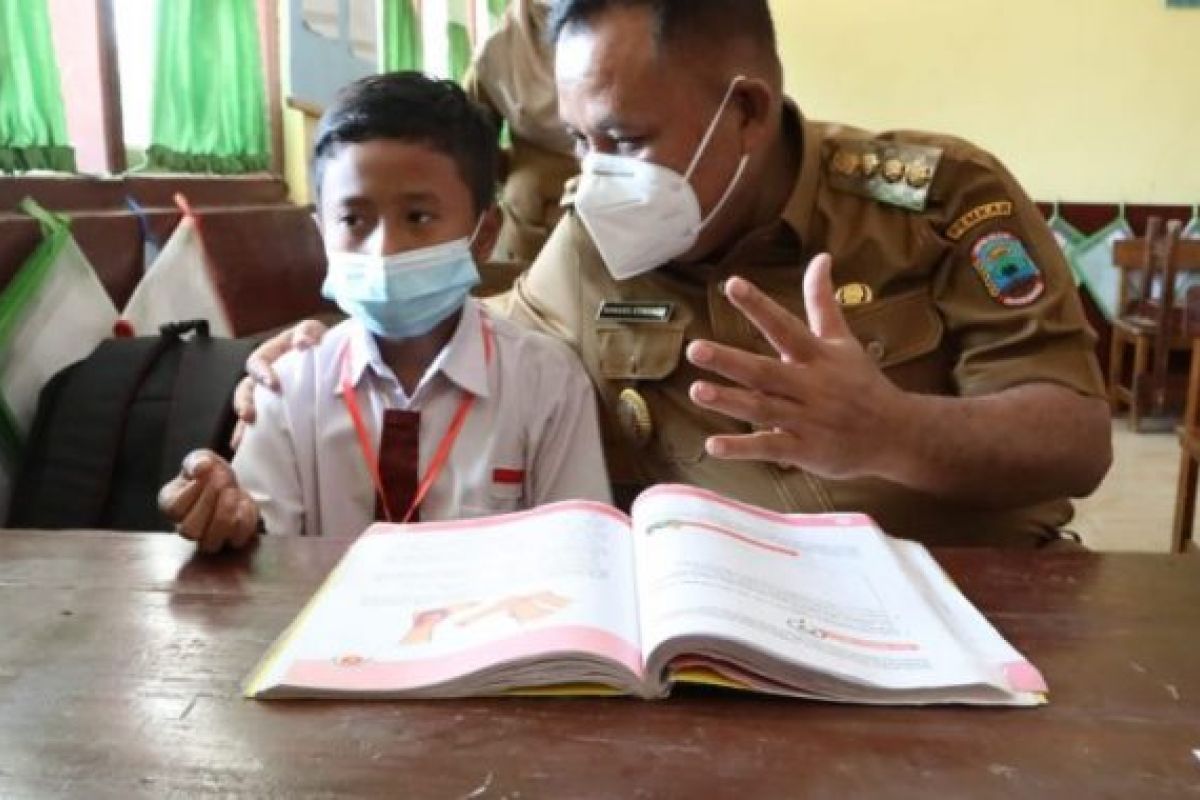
823 405
260 370
207 506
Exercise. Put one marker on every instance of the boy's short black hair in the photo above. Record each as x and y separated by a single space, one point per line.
412 107
704 22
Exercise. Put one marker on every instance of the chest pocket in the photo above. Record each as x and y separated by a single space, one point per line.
649 359
904 335
501 496
644 352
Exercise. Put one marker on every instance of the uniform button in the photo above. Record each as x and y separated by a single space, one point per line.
893 170
854 294
845 163
919 174
870 165
633 415
876 350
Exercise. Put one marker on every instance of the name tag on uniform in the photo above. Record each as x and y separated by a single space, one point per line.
635 312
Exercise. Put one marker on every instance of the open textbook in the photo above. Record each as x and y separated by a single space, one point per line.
577 598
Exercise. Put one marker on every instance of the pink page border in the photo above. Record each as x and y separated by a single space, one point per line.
801 521
403 675
484 523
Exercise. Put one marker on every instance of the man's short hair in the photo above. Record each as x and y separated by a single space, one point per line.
412 107
694 21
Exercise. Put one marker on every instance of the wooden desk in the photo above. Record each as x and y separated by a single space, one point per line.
121 656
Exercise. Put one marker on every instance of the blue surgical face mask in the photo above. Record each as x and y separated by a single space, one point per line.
405 295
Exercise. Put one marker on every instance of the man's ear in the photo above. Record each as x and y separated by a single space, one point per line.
488 235
755 98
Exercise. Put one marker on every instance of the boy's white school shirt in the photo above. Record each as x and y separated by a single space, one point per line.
533 420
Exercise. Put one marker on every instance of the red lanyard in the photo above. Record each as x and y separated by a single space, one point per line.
350 397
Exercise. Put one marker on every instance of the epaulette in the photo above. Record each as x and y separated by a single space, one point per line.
895 173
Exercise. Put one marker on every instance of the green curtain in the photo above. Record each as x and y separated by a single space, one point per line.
402 45
209 105
496 8
33 122
459 34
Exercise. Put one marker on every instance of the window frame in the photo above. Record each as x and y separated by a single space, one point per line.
99 23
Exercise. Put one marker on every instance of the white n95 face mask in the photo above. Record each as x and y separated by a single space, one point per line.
642 215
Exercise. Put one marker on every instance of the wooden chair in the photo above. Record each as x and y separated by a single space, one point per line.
1189 461
1189 436
1152 323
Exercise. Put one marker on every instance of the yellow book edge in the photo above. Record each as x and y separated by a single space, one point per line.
702 676
696 676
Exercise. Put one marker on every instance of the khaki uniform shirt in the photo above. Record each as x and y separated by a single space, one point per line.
513 77
947 273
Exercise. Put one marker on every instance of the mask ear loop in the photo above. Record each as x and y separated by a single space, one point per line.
733 184
712 129
478 228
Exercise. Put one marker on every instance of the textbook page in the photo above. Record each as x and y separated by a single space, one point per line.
435 609
818 604
969 625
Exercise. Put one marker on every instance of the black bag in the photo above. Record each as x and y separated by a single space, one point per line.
113 428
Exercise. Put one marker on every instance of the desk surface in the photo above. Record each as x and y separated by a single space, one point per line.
121 657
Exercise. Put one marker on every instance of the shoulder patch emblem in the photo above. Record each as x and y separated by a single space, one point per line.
1007 270
897 174
977 216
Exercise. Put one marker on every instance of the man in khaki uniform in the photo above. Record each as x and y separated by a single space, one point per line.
513 77
936 373
966 405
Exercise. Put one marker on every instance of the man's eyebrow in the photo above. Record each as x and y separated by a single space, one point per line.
609 125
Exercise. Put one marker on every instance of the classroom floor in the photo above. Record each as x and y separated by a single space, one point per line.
1134 508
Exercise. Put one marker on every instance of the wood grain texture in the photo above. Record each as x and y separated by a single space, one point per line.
121 658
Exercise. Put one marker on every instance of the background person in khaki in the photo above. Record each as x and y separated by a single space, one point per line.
513 78
936 373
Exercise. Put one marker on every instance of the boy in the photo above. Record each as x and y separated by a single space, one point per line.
404 168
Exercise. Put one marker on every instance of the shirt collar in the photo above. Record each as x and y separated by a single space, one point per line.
799 209
463 360
777 241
